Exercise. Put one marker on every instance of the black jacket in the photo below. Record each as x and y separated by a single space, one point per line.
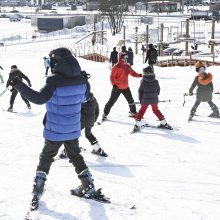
89 112
114 57
151 56
149 90
19 74
130 59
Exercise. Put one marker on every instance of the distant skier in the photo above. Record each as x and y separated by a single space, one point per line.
89 115
15 72
113 57
148 93
46 65
119 81
151 56
1 77
130 56
204 91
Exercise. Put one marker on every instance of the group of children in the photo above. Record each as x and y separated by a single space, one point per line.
64 93
148 93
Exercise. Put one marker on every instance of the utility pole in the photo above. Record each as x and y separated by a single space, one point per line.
124 28
187 38
161 39
136 40
213 35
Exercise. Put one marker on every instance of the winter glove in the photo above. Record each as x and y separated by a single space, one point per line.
190 94
14 80
1 68
140 75
115 88
29 84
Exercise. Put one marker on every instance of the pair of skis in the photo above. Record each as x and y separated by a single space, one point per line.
168 127
98 197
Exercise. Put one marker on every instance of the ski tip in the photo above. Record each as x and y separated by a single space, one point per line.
133 206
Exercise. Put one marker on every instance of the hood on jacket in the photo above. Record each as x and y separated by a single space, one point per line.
62 62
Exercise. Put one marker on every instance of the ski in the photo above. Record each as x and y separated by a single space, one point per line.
9 111
206 116
33 207
153 126
159 127
98 196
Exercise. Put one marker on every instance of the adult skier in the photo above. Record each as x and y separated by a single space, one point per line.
151 56
113 57
204 91
63 93
119 81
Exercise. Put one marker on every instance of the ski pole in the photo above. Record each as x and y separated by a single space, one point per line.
4 91
169 100
184 99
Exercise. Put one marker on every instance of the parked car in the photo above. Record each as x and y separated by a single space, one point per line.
205 54
169 51
14 11
178 52
14 17
27 17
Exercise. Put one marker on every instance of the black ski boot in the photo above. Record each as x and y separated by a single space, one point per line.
136 129
38 188
164 124
100 152
87 189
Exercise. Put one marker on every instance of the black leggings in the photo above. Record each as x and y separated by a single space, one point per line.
51 149
14 93
114 97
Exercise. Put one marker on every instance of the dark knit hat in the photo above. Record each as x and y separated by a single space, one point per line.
148 71
14 67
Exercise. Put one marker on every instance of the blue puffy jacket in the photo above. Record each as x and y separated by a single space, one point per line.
63 94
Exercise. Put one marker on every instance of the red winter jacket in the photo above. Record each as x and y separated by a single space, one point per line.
119 74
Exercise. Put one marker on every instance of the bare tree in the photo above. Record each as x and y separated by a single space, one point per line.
114 10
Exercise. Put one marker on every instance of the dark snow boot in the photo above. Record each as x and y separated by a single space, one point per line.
215 112
28 105
104 117
39 183
192 113
87 189
10 109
